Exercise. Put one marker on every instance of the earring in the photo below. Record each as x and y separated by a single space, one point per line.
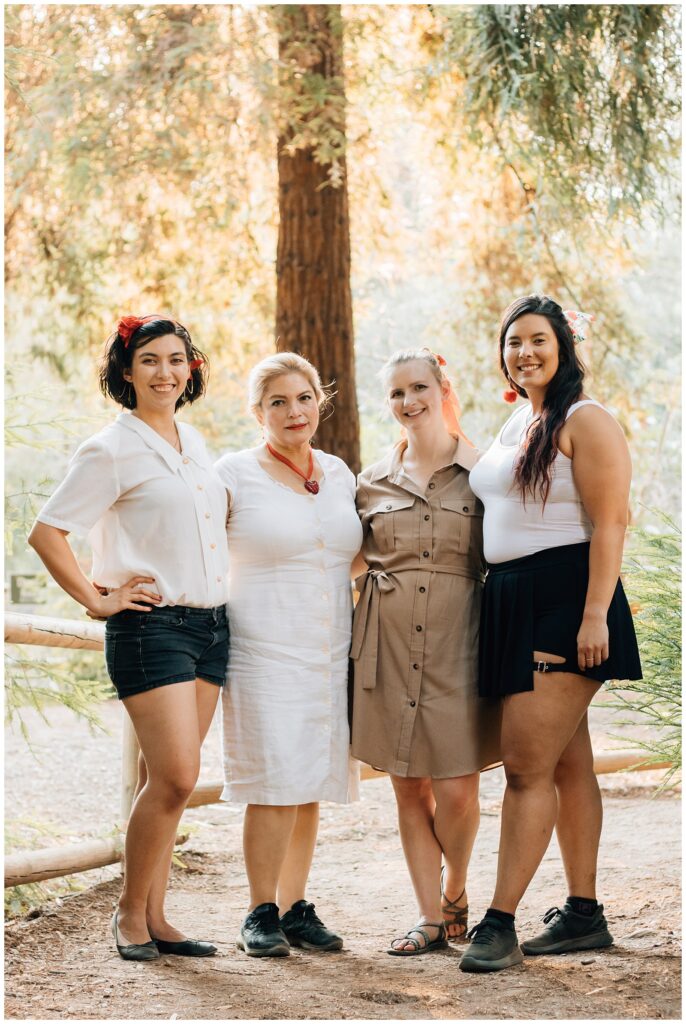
189 385
125 393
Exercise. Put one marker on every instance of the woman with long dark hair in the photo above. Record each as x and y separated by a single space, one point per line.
555 622
144 492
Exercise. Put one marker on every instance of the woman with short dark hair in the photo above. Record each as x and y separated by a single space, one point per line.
144 491
554 624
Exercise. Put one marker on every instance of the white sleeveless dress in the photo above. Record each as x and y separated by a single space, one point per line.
285 706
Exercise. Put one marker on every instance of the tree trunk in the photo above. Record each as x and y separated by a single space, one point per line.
313 296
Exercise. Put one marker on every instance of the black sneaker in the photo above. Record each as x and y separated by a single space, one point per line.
261 933
303 928
493 947
566 931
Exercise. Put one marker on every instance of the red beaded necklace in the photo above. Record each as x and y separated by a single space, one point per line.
310 485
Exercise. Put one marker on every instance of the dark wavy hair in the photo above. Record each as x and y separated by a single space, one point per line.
117 358
533 468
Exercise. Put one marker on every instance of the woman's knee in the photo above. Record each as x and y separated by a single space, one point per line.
573 766
174 786
522 772
411 793
457 797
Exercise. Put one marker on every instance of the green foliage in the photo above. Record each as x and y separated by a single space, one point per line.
653 582
75 679
583 99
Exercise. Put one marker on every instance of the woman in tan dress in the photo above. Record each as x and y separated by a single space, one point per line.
416 712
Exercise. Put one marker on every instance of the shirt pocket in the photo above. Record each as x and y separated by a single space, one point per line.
461 525
389 523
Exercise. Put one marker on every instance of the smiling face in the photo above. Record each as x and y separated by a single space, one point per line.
415 396
159 373
288 411
531 352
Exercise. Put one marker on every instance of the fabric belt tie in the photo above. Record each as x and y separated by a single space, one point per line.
370 586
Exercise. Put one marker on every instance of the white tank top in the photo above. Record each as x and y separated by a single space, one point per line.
513 528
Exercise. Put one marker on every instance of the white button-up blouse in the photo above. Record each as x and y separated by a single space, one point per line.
148 511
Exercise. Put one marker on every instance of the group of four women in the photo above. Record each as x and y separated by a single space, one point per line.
451 676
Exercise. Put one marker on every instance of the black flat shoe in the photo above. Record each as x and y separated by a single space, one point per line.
302 927
261 934
186 947
133 950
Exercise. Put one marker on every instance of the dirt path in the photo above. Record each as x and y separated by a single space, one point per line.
61 964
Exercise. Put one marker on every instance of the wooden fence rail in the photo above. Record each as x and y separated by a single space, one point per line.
56 861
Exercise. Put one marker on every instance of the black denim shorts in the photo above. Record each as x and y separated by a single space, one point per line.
173 644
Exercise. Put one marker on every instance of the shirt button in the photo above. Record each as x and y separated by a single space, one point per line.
388 508
419 629
422 590
427 518
431 486
219 579
213 546
200 487
465 508
426 554
413 703
207 515
186 461
415 666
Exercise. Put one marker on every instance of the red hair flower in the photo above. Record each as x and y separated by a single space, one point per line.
509 395
195 364
127 326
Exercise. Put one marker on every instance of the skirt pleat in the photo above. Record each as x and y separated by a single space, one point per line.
537 603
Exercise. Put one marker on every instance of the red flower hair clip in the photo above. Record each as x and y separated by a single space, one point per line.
195 364
128 325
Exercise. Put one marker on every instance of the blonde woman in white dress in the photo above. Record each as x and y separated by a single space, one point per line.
293 532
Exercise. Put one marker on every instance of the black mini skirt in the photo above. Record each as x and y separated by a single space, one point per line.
536 603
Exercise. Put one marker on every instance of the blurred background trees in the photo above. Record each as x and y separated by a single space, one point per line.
487 150
265 171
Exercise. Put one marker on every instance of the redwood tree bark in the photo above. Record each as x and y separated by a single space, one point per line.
313 297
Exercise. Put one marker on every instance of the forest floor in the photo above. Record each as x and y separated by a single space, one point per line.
61 964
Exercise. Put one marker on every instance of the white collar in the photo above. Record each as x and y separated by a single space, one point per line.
191 444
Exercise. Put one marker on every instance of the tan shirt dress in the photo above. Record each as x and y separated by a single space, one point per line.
416 711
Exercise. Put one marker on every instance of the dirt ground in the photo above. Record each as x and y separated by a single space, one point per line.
60 961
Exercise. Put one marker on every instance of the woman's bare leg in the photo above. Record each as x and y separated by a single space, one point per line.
416 810
296 866
579 813
207 695
166 723
267 832
536 728
456 822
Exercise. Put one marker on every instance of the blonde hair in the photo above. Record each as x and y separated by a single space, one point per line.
451 404
275 366
408 355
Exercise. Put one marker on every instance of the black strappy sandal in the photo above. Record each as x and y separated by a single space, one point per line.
452 914
440 942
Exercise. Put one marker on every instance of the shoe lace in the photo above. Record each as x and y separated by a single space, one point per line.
484 933
551 914
309 915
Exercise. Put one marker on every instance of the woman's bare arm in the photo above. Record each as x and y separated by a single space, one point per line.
53 548
602 472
